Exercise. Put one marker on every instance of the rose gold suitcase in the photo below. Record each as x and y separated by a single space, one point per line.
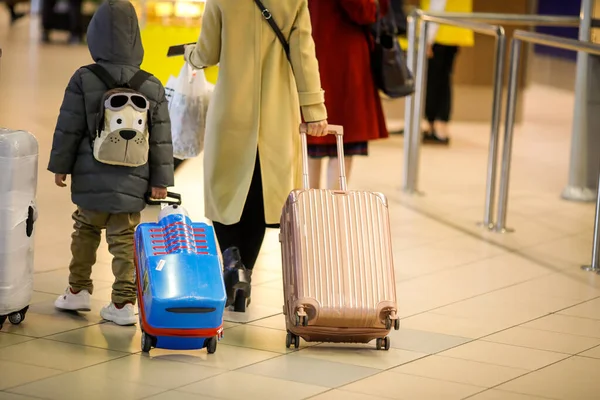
338 272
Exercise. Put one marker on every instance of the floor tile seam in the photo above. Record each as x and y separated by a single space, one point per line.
439 354
348 391
551 331
467 232
387 369
179 391
34 397
577 316
464 383
580 354
532 348
567 356
249 323
69 371
525 327
13 388
18 335
156 394
502 390
444 220
532 328
259 349
87 345
125 355
548 226
503 288
529 373
449 269
238 370
69 330
258 320
224 371
547 313
477 295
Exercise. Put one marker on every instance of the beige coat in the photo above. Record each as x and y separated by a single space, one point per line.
256 102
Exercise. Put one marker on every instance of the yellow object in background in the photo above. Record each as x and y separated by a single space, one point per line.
403 43
157 39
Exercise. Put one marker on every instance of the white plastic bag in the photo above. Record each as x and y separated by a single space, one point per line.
188 96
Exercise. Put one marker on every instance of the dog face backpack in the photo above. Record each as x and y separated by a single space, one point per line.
122 125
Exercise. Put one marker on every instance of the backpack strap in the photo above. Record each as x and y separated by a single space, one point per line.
138 79
135 83
102 74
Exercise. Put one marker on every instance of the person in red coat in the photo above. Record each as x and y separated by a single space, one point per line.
343 47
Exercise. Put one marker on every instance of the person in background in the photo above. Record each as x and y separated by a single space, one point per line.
344 53
75 26
443 43
14 15
108 197
252 141
397 7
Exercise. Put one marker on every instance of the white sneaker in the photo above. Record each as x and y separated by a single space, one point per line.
74 302
120 316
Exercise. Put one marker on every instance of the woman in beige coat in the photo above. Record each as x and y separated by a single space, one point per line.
251 151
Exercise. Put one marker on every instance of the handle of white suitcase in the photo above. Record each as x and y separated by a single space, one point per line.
336 130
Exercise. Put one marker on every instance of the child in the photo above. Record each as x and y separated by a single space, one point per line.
110 193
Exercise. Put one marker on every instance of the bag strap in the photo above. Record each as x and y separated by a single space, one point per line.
269 18
102 74
138 79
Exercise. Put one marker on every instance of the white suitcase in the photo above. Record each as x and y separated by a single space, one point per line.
18 184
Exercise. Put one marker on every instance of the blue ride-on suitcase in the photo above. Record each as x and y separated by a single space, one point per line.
179 275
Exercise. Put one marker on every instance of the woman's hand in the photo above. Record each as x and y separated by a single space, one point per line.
318 128
187 52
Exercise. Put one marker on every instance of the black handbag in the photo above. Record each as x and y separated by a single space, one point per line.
390 72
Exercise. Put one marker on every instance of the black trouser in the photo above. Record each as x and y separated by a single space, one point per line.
75 16
438 103
248 234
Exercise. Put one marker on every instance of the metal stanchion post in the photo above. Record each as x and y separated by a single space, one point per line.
409 101
595 265
490 192
414 138
509 128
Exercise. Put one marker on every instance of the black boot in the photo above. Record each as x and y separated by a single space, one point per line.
237 280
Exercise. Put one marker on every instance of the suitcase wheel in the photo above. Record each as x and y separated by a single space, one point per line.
148 342
211 345
301 318
389 322
16 318
2 320
383 343
292 339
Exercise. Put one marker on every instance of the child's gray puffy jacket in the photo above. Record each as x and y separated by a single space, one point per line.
114 42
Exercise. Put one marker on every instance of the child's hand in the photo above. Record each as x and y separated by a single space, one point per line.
60 180
159 193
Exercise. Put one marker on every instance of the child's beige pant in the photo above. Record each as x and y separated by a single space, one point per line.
119 236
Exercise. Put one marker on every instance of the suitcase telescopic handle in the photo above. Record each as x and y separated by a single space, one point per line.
172 199
336 130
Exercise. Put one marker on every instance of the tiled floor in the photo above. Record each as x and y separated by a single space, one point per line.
484 316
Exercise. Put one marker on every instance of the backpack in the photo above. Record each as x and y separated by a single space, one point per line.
122 126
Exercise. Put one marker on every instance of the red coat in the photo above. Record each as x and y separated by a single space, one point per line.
343 49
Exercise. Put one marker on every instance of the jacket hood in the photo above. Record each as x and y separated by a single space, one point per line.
113 35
